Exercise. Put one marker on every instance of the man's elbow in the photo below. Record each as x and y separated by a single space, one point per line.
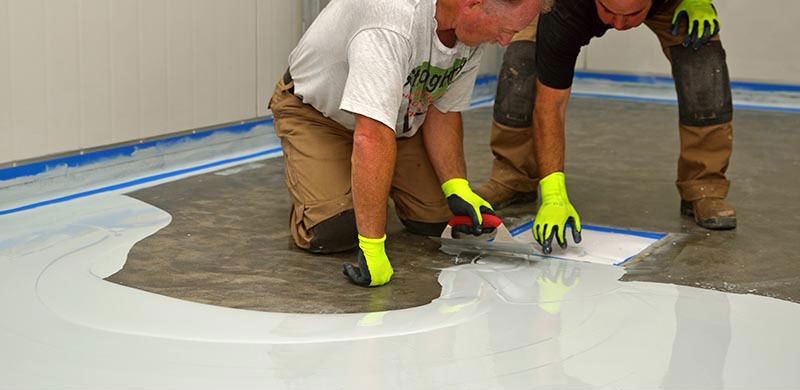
374 138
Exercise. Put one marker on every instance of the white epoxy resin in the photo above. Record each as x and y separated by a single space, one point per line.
499 324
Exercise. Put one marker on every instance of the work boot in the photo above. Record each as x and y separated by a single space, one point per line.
710 213
500 196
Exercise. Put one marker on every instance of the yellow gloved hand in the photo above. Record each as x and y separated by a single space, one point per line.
463 201
374 268
701 21
555 214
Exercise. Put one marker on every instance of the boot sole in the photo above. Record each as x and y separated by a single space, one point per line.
713 223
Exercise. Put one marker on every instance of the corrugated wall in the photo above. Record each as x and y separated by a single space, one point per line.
77 74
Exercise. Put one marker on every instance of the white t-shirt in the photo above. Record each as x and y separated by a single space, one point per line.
382 59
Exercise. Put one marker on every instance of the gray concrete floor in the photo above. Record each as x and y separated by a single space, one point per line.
228 244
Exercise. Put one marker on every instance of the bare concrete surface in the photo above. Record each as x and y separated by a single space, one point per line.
228 244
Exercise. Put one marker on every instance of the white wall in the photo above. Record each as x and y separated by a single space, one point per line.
759 38
77 74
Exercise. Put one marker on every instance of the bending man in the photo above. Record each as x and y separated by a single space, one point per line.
538 67
370 108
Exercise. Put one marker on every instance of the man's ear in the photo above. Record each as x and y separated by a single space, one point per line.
471 4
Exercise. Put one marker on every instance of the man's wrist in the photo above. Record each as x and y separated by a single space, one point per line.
453 186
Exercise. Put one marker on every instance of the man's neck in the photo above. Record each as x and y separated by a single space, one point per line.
446 10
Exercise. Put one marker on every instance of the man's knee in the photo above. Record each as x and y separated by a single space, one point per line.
516 86
703 84
335 234
432 229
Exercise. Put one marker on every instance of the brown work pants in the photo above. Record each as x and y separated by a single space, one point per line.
317 153
705 150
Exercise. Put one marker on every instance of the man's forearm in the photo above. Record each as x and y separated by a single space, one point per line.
443 135
549 123
374 154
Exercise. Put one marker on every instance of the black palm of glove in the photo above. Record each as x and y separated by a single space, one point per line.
374 268
463 201
461 207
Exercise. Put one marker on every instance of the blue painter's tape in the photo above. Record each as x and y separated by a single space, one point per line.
122 151
485 80
139 181
481 101
624 261
636 79
655 236
675 101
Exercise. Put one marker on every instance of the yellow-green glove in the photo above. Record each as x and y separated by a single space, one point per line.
463 201
374 268
701 21
555 214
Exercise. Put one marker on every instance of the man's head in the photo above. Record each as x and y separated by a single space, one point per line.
623 14
484 21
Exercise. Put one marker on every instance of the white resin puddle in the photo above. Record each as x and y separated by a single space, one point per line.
499 324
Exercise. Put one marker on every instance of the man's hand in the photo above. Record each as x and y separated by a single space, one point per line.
701 22
463 201
554 214
374 268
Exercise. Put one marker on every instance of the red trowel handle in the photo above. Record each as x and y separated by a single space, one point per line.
489 221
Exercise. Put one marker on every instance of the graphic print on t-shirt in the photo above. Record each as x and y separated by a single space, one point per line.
426 84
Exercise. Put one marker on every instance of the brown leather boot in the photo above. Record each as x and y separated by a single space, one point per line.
500 196
710 213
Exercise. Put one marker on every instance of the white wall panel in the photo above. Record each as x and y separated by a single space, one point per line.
62 107
180 65
125 71
279 30
28 78
94 35
632 51
154 82
760 45
6 133
759 39
85 73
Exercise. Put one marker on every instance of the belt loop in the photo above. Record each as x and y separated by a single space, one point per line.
287 79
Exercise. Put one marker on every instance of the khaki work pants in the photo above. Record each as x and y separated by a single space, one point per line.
704 155
317 153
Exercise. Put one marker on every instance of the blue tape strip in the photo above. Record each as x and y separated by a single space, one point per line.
485 80
122 151
624 78
139 181
481 101
675 101
655 236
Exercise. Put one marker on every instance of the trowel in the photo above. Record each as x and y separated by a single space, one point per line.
501 243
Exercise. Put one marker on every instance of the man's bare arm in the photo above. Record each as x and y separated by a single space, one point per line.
549 123
443 135
373 159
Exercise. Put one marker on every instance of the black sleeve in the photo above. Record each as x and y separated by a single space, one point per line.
559 39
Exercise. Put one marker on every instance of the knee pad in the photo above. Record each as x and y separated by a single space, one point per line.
432 229
516 86
335 234
703 84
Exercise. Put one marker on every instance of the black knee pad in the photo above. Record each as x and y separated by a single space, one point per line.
335 234
703 84
516 86
432 229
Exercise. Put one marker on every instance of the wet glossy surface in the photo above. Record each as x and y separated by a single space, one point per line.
499 324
